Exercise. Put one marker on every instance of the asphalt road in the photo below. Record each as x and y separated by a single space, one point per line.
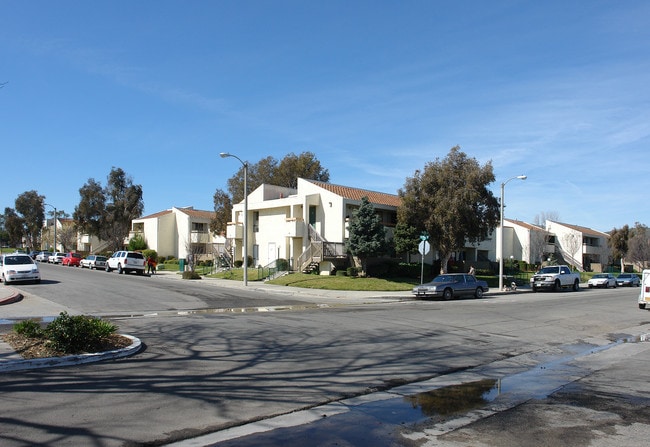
205 372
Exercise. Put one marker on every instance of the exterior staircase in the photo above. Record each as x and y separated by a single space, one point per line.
319 250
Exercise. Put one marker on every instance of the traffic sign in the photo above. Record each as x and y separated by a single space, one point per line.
424 247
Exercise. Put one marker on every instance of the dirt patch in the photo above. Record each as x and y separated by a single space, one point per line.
34 348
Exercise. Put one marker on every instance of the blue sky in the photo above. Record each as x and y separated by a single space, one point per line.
554 90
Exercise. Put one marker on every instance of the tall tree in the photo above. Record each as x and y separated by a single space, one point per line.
618 242
30 205
107 212
88 214
14 226
541 218
268 170
451 201
367 234
304 165
406 237
639 245
222 210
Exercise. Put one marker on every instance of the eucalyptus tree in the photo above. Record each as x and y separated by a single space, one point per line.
107 212
619 243
450 200
267 170
30 206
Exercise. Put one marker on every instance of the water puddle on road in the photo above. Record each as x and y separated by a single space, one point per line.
379 419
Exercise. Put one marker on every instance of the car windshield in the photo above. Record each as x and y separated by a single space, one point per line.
17 260
624 275
550 270
446 278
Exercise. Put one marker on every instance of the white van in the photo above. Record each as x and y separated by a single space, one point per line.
644 295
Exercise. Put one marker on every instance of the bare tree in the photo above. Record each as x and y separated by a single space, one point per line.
66 235
639 246
541 218
572 242
538 242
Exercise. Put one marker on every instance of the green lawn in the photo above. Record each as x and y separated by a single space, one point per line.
344 283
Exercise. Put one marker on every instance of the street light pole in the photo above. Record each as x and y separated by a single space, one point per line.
54 224
245 165
503 186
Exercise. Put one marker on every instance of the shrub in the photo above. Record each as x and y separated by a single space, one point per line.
353 272
238 263
282 265
137 242
29 328
341 273
148 252
188 274
78 333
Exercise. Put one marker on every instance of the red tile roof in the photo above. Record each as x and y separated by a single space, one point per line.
379 198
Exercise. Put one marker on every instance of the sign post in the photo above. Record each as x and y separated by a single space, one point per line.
423 247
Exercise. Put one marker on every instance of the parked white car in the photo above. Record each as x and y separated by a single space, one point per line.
605 280
56 258
126 261
43 256
19 267
93 262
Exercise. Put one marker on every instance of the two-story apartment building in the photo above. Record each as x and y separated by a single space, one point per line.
306 225
179 232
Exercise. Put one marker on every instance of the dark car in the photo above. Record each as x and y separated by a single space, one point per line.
452 285
628 279
71 259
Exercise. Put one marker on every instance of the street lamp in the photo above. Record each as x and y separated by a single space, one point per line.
503 185
54 224
245 165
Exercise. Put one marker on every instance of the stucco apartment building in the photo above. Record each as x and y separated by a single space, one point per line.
308 226
179 232
582 247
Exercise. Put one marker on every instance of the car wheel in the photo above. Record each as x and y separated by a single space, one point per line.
140 272
641 305
576 285
447 294
107 268
479 293
557 286
119 269
534 288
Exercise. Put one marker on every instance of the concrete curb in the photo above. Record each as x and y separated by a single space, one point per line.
69 360
11 297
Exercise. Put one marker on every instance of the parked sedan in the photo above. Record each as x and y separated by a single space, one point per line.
71 259
605 280
43 256
56 258
93 262
19 267
628 279
451 285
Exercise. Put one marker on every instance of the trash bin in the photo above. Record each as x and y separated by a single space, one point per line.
181 265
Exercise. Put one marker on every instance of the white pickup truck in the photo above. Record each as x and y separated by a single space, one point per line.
555 277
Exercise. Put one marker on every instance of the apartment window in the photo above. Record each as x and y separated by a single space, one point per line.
256 221
199 227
